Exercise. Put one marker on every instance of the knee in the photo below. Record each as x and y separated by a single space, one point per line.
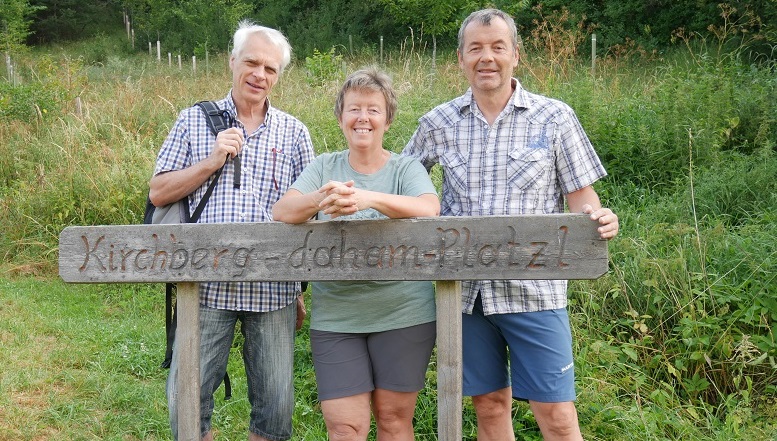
393 421
346 432
494 406
557 419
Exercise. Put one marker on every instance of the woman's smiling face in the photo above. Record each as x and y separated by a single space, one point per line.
363 120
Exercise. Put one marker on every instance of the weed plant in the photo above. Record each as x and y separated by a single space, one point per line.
676 342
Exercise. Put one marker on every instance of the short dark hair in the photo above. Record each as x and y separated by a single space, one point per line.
484 17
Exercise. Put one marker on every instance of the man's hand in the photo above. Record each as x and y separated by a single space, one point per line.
228 142
606 218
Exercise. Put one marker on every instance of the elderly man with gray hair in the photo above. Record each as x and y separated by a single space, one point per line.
273 148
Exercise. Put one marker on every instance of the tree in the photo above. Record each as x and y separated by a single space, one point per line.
434 17
15 24
62 20
187 26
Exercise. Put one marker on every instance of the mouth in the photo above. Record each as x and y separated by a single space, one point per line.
254 85
362 130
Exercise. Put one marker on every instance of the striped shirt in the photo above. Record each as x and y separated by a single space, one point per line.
535 152
271 159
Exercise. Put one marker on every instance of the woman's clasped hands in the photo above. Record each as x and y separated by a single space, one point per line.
339 199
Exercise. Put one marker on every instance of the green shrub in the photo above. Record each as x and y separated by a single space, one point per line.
323 67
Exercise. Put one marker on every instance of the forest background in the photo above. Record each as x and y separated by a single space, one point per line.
676 342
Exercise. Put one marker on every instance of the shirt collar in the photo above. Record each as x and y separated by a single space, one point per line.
520 99
229 104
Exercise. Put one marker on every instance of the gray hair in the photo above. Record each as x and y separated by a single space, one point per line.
484 17
369 79
247 28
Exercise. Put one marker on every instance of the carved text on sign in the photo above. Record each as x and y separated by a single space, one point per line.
446 248
454 247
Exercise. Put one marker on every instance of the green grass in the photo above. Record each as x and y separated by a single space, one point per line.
676 342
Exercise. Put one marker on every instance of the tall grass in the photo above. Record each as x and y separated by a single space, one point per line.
676 342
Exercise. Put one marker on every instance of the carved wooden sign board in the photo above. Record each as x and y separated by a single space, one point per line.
445 249
562 246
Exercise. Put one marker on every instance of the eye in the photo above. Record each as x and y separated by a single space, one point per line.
374 111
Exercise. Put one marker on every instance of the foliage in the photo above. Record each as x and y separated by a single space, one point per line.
15 20
434 17
62 20
651 24
180 27
323 67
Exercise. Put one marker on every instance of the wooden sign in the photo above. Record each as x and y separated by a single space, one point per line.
445 249
558 246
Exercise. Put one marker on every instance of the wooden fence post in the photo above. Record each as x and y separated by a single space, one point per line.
187 340
449 363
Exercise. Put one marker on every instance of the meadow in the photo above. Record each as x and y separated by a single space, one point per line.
676 342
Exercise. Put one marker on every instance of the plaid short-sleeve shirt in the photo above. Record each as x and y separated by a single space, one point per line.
271 159
533 154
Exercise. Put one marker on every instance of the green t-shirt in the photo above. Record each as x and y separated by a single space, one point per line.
369 306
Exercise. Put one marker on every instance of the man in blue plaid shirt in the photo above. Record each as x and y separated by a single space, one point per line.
505 151
273 148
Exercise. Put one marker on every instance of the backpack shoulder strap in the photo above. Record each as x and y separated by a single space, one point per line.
218 119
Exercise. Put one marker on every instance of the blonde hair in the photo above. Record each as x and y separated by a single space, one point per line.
371 79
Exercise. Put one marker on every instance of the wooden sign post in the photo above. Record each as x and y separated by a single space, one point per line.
445 249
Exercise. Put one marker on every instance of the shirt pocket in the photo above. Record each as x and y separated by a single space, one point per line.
528 168
455 169
272 176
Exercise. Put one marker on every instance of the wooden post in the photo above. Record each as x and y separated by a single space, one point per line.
187 340
593 54
449 363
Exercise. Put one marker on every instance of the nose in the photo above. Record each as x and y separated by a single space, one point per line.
487 54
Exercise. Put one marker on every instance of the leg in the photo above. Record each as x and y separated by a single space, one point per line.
400 358
486 377
217 329
394 414
347 418
268 355
557 421
543 369
494 414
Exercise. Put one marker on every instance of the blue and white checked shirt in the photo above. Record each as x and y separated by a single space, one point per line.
535 152
271 159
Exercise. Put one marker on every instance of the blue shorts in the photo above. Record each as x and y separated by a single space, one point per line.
539 347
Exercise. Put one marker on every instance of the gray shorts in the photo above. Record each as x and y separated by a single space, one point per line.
349 364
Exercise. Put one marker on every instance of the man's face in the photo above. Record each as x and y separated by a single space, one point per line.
488 57
255 70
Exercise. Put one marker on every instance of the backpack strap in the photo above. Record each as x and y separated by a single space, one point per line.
218 120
